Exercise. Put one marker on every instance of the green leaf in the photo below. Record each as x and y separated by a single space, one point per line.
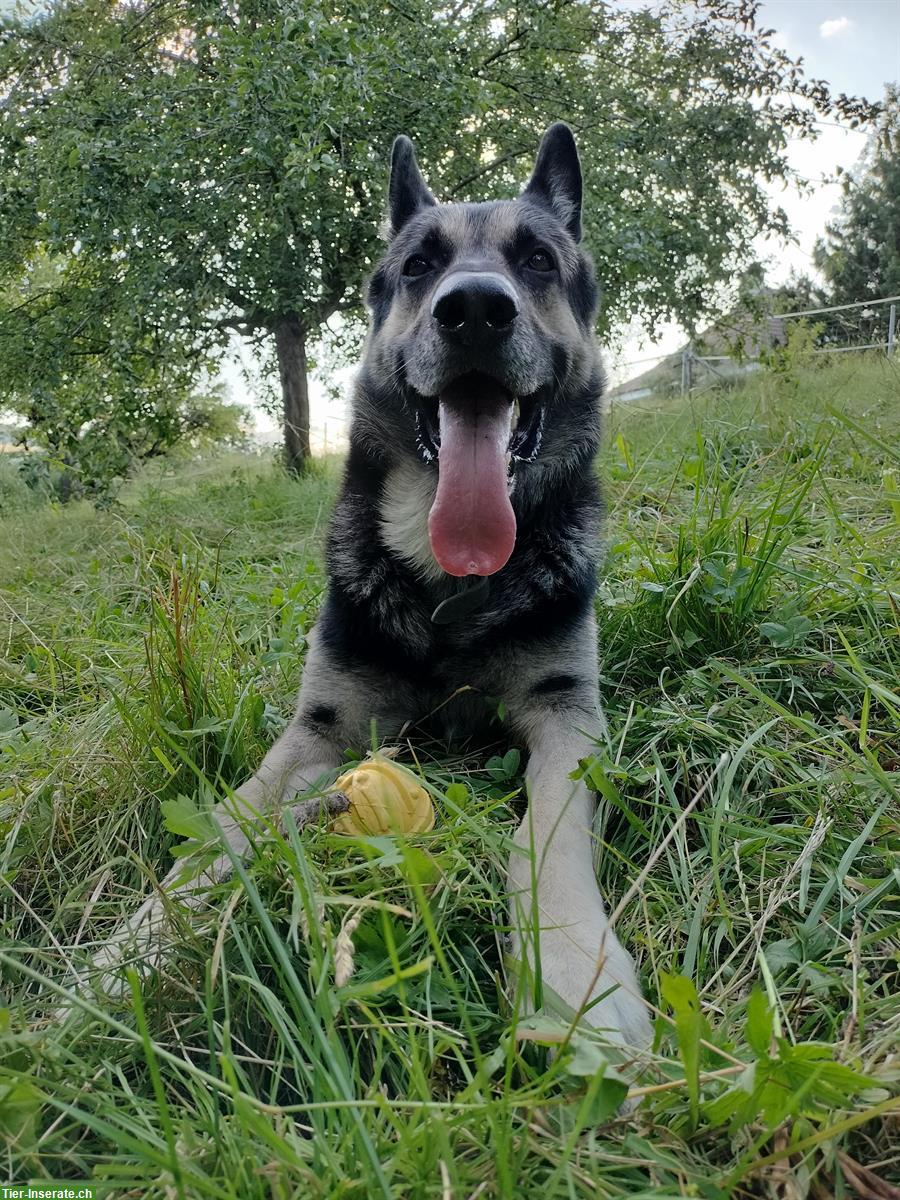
511 761
622 447
803 1080
376 987
586 1057
182 817
418 866
163 758
760 1027
503 768
20 1105
602 783
457 794
777 634
605 1097
786 952
680 994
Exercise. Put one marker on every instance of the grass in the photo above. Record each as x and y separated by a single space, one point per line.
750 628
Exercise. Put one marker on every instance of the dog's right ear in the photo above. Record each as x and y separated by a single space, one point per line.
407 191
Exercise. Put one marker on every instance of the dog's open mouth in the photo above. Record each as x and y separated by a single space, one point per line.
526 425
476 429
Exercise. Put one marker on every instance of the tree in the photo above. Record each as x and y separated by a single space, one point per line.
798 293
860 253
219 165
100 425
102 399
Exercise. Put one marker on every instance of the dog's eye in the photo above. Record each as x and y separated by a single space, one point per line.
416 266
540 261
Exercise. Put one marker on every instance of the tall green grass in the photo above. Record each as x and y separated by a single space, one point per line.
750 648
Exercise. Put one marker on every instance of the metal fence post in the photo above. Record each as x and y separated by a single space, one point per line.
686 371
892 328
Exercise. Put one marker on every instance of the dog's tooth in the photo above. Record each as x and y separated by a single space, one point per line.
514 414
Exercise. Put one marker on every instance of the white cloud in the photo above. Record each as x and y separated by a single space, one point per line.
830 29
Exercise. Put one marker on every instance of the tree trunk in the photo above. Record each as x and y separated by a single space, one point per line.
290 344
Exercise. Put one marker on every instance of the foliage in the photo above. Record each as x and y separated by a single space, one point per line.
150 655
15 494
800 293
797 352
103 398
95 432
96 429
860 253
201 169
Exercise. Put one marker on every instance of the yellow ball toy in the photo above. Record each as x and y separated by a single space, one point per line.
384 798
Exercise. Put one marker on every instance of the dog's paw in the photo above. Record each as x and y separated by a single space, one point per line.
616 1005
600 981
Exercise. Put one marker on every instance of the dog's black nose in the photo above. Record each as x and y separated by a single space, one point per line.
475 306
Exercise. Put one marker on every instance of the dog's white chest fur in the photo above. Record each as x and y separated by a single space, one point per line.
405 504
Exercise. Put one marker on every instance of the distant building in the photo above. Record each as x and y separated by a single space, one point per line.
722 352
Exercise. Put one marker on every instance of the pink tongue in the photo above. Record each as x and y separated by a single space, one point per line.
471 525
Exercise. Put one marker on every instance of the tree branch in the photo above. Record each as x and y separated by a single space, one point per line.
489 167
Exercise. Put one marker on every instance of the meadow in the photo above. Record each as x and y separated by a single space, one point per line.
749 617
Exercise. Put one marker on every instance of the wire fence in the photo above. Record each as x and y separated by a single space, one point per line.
751 341
864 325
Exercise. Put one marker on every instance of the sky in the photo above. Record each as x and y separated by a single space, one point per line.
855 46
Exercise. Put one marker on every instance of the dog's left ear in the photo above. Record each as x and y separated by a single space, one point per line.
407 191
556 179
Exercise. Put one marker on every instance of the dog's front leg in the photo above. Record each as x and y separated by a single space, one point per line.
558 916
557 912
333 711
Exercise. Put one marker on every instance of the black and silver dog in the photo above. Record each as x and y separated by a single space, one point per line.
463 550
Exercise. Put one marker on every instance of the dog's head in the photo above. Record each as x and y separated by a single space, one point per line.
482 328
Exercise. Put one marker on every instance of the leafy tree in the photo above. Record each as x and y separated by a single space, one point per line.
103 398
209 166
97 426
860 253
798 293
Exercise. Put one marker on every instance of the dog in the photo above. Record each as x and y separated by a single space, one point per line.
463 550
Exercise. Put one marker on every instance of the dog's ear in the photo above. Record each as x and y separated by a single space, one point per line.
556 179
407 191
